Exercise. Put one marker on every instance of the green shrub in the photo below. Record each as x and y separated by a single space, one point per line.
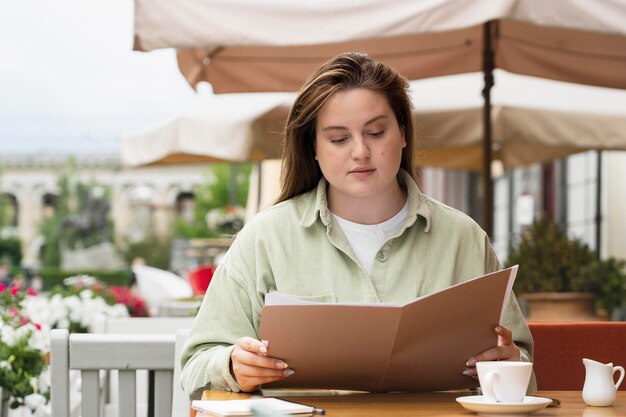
11 250
609 282
154 251
550 261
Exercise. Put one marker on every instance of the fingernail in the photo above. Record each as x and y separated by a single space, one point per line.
468 372
265 342
470 362
281 365
498 329
263 349
288 372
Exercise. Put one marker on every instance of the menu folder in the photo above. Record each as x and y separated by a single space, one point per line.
418 346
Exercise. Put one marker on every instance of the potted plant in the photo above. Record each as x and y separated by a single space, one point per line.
609 283
560 278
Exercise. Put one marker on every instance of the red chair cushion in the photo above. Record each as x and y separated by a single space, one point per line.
200 278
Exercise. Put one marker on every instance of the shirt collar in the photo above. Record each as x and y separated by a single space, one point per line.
317 204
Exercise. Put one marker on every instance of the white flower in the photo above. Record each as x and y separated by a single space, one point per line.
34 406
86 294
24 330
117 310
44 380
40 339
43 410
33 401
7 335
38 310
84 280
21 411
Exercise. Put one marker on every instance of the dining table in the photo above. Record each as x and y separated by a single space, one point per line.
431 404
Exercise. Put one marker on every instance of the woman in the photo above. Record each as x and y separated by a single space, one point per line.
350 225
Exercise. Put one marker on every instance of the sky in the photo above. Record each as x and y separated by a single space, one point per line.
69 80
71 83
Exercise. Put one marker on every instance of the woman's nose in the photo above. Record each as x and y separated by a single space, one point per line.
360 150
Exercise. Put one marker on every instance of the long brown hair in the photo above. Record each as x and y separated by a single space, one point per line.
300 170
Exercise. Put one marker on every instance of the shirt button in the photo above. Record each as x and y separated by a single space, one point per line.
381 256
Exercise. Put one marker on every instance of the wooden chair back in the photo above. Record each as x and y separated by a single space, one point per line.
90 353
145 383
561 347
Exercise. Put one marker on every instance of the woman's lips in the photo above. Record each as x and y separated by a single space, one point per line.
361 171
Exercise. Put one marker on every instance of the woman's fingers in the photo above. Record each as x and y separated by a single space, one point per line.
252 367
252 345
504 351
505 335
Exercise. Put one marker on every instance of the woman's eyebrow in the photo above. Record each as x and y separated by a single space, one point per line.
334 128
372 120
377 118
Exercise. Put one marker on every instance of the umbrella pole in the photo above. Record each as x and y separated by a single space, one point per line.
488 66
599 205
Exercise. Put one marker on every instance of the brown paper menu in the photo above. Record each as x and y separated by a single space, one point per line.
418 346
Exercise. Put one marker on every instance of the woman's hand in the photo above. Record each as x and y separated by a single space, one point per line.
252 367
504 351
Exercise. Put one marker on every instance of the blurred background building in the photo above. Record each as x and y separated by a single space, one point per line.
588 199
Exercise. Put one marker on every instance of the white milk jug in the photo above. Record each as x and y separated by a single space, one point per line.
600 388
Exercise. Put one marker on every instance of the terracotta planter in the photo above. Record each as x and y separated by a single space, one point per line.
560 306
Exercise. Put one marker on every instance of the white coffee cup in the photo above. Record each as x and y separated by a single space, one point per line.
504 381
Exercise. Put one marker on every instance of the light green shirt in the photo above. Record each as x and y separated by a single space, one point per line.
296 248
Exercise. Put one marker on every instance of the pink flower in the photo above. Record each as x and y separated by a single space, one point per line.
37 326
30 291
2 287
14 291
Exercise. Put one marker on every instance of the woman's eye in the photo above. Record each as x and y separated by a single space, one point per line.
376 134
338 140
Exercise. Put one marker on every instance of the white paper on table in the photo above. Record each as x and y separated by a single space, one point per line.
243 407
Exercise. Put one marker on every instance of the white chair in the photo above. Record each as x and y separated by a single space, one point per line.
178 308
137 325
157 285
180 402
90 353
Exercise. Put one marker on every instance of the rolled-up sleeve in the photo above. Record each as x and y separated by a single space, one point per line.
227 313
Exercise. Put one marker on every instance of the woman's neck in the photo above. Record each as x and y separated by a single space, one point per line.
367 210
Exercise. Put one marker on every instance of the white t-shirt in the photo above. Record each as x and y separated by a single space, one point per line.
366 239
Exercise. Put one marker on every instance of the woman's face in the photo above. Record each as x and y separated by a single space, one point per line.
358 145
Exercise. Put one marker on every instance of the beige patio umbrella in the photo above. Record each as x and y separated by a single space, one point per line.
246 45
521 136
450 138
226 128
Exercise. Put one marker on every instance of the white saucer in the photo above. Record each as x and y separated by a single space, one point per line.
479 404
